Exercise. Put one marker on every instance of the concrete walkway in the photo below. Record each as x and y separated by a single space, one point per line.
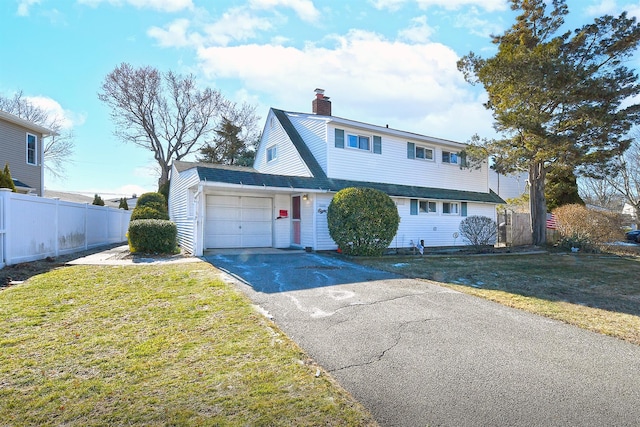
120 256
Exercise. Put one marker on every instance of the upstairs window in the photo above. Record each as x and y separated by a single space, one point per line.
32 149
358 141
419 152
449 157
272 153
424 153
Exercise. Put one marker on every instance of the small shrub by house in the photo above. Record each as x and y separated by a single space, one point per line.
362 221
152 236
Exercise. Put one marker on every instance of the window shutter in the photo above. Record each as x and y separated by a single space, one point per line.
463 159
414 207
411 150
463 209
377 144
339 138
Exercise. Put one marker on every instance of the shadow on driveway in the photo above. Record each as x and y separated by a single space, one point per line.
271 273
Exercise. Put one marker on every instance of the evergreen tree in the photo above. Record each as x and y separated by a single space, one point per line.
561 188
5 179
228 147
559 100
123 204
97 200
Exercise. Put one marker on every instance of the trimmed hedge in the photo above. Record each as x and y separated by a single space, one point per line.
152 235
362 221
154 200
148 212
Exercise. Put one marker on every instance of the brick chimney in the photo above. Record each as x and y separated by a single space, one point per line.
321 105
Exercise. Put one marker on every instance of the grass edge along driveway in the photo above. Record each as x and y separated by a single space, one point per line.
154 345
597 292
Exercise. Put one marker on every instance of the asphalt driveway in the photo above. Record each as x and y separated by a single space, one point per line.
418 354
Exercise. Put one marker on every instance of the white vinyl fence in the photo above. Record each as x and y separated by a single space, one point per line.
33 228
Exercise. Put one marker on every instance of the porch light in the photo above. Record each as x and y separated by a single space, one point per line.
305 197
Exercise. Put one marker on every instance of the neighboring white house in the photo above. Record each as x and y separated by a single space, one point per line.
509 186
302 160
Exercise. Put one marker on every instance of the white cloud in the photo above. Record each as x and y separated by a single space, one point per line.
489 5
67 119
161 5
414 87
303 8
481 27
25 5
237 24
418 32
602 8
175 34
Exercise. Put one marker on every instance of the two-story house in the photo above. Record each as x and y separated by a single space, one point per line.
22 148
302 160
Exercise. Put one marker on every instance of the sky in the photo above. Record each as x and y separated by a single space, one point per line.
384 62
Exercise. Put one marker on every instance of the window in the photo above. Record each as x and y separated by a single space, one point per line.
358 141
272 153
449 157
421 207
427 206
419 152
424 153
32 145
450 208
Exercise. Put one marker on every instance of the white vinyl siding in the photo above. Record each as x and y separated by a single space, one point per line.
313 130
288 161
394 167
182 206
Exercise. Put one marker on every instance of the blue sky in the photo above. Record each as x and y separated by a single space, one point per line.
380 61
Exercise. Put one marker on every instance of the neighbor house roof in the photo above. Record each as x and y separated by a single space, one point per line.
250 177
25 123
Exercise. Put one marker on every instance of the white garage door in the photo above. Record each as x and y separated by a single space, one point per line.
238 222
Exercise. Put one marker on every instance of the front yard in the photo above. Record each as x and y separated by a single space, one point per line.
149 345
596 292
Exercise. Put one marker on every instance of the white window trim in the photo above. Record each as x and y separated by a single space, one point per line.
425 147
357 135
274 150
35 150
457 213
427 201
449 162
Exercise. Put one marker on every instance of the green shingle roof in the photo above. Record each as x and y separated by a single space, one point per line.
251 177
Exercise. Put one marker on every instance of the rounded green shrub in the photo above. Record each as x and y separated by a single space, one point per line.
152 236
150 206
148 212
362 221
154 200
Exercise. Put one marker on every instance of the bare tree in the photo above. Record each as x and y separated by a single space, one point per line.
164 113
58 147
598 192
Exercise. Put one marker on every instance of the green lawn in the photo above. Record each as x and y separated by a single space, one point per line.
150 345
596 292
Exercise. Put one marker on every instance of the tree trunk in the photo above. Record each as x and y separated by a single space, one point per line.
538 203
164 175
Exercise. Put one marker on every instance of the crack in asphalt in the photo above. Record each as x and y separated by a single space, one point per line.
381 355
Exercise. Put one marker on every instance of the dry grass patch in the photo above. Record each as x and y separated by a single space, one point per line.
149 345
596 292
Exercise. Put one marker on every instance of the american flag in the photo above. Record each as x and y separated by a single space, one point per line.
551 221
